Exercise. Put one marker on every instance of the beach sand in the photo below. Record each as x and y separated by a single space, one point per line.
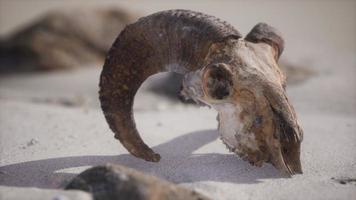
51 126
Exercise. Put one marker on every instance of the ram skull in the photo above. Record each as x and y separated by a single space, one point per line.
237 76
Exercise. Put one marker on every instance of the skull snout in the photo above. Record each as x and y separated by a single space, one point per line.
287 130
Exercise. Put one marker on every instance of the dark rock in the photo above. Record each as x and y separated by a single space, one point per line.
63 39
114 182
32 142
345 180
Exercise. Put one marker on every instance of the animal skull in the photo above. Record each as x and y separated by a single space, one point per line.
240 78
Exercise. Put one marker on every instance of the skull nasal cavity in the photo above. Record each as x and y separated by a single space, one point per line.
219 82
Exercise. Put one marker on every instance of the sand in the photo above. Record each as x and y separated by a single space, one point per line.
51 127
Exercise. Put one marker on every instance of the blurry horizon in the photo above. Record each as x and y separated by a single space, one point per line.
329 24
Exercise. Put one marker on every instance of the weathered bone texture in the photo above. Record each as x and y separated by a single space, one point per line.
238 77
115 182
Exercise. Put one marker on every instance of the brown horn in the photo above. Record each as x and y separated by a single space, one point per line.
263 32
175 40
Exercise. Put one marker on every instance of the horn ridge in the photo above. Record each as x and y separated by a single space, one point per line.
174 40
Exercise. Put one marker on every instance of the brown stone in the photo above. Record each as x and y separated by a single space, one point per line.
115 182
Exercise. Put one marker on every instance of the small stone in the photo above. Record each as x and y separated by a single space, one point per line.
32 142
345 180
114 182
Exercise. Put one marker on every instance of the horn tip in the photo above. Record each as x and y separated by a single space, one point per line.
155 157
147 154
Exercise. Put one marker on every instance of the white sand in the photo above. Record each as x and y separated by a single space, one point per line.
44 143
28 193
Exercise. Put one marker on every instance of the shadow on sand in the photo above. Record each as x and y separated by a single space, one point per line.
178 166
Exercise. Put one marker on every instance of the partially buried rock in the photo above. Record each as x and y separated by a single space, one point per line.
114 182
63 39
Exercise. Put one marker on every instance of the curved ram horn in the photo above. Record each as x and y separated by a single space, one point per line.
263 32
175 40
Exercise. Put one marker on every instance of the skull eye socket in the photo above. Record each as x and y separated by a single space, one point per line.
218 82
